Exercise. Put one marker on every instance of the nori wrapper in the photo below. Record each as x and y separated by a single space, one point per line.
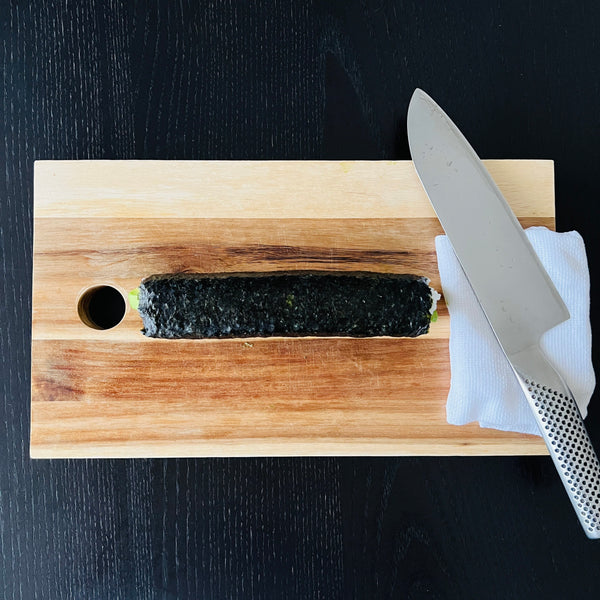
299 303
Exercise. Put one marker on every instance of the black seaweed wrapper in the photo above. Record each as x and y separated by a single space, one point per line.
355 304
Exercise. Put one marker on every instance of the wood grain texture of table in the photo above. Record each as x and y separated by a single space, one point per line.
292 81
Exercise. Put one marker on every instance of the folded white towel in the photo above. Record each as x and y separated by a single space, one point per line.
483 387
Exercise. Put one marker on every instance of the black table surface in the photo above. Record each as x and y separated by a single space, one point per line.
286 80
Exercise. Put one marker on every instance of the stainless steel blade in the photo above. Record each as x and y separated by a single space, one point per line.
514 290
518 297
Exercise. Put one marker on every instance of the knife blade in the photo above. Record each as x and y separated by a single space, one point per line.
514 290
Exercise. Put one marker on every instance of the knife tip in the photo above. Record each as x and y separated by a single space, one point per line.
416 99
419 94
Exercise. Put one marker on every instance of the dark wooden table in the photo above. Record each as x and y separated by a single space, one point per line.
286 80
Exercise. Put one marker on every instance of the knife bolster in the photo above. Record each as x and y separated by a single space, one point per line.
531 365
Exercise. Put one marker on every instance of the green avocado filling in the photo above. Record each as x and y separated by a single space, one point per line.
134 298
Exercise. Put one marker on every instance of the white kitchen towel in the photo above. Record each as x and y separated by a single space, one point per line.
483 387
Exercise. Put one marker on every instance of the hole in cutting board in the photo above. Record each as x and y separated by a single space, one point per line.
101 307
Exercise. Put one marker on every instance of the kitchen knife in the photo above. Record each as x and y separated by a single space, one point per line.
513 288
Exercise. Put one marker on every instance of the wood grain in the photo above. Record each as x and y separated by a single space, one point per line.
264 189
115 393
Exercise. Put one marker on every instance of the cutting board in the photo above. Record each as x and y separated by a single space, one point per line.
112 392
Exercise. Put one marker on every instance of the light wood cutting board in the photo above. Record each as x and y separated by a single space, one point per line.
115 393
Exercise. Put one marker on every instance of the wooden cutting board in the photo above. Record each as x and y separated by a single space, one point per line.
115 393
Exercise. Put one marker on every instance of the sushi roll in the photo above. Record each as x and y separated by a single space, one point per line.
297 303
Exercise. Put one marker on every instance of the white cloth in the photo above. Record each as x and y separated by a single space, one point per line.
483 387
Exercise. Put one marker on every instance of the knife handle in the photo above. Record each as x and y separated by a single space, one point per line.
564 432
